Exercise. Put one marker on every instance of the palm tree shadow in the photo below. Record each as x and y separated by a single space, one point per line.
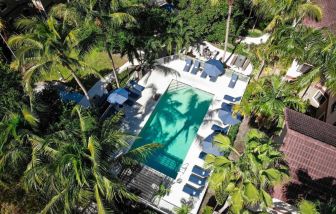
311 189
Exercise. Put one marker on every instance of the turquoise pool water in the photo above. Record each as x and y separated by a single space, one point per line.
174 124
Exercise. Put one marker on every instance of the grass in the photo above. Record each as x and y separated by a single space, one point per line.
255 33
99 60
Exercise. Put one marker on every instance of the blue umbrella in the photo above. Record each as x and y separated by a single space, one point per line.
227 118
209 148
118 96
214 68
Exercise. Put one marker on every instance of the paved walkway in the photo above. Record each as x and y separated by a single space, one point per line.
256 40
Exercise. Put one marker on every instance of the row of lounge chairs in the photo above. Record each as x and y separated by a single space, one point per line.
198 177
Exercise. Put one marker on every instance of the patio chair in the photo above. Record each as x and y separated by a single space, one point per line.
231 99
213 79
136 86
202 155
197 179
188 65
204 75
200 171
233 80
196 67
192 191
233 60
219 129
226 107
247 62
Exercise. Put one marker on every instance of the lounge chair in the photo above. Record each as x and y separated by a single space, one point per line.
136 86
202 155
247 62
196 67
233 60
192 191
226 107
204 75
213 79
219 129
232 99
188 65
200 171
233 80
197 179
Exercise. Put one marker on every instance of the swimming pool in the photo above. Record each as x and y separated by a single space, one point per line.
174 124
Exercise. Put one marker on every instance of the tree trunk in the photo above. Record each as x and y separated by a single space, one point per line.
262 66
227 29
3 39
79 82
113 67
225 206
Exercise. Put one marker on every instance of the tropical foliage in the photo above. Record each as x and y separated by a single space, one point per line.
244 182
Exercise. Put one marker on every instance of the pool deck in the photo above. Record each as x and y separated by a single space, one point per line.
157 81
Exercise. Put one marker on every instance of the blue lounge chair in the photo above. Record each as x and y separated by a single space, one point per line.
202 155
213 79
188 65
226 107
204 74
192 191
232 99
197 179
217 128
233 80
136 86
200 171
196 67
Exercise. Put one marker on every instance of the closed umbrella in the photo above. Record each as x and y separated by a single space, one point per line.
227 118
118 96
214 68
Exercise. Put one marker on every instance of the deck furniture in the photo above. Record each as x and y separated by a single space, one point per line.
231 99
204 75
197 179
233 80
213 79
226 107
136 86
192 191
247 62
196 67
202 155
200 171
188 65
233 60
219 129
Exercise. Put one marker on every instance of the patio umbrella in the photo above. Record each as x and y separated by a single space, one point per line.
227 118
213 68
119 96
208 147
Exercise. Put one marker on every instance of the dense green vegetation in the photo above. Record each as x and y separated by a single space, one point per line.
57 157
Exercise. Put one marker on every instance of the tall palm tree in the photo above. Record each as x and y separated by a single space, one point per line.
245 182
103 18
77 164
230 4
266 99
284 11
46 46
2 27
15 147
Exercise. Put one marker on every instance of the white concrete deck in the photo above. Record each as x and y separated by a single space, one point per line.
157 81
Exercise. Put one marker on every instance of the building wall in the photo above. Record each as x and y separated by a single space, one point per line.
331 114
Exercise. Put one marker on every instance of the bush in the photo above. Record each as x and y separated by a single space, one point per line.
255 33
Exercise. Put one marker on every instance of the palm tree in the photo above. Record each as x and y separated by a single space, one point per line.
47 46
77 164
15 147
2 27
283 11
230 4
307 207
266 99
245 182
103 18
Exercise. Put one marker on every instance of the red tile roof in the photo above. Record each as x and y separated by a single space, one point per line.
329 15
309 146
